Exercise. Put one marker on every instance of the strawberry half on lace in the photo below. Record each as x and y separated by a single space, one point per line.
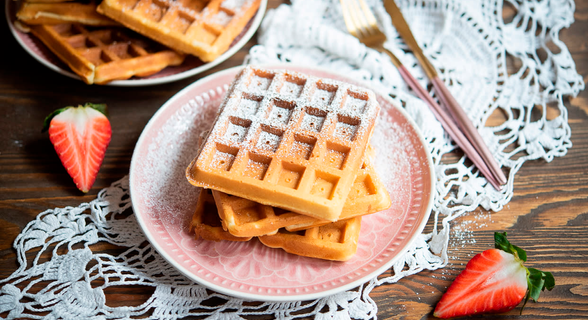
80 136
493 281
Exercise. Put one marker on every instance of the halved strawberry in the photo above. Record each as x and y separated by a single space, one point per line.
493 281
80 136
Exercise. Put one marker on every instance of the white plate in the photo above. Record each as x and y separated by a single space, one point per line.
164 201
190 67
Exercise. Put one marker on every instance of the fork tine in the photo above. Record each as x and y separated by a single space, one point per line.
367 12
349 20
359 19
360 22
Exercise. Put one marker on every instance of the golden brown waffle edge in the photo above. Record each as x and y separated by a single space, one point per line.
287 140
203 30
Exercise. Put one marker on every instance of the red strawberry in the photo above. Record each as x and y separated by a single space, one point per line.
493 281
80 136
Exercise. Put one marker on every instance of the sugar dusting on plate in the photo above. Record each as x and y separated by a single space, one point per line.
172 197
171 151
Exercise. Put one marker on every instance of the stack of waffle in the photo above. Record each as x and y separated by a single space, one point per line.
288 161
111 41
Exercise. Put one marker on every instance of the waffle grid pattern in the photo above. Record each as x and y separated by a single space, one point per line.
288 134
334 241
243 217
206 222
199 27
103 54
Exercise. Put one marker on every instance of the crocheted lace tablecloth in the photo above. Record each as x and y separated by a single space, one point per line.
471 47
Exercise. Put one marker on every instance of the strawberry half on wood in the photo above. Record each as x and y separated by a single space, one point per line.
493 281
80 136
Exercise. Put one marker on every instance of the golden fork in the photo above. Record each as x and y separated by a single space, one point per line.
362 24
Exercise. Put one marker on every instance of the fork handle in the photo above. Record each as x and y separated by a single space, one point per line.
451 127
468 128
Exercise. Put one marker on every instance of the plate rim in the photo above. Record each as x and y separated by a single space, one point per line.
256 22
293 297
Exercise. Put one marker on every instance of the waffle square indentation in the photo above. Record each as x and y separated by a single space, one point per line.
223 158
68 30
336 155
269 139
303 146
292 86
257 166
355 102
182 22
323 93
237 129
313 119
323 185
135 51
260 80
290 175
346 127
221 18
363 188
280 112
249 104
232 6
154 10
331 232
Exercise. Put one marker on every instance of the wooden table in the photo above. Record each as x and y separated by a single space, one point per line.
548 215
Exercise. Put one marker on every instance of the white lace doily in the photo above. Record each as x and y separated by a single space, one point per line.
470 45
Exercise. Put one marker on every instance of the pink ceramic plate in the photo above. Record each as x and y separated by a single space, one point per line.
164 201
190 67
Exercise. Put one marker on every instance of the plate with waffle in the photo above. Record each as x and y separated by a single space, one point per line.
281 182
133 43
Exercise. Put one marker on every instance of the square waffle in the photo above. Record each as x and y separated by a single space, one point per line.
333 241
102 54
62 12
287 140
206 223
246 218
204 28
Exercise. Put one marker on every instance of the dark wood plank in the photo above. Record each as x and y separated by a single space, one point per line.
548 215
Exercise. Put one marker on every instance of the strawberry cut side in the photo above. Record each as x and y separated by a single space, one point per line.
493 281
80 137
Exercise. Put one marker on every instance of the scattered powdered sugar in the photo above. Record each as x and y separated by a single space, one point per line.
235 132
176 145
391 160
248 107
221 18
259 83
268 141
355 104
311 122
322 97
291 89
463 231
166 189
234 5
345 131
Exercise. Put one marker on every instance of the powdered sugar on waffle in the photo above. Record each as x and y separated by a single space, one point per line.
177 141
351 107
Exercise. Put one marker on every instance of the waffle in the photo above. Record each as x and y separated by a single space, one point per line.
287 140
100 55
246 218
203 28
333 241
62 12
206 223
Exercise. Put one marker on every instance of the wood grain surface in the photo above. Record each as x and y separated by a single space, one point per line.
548 215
